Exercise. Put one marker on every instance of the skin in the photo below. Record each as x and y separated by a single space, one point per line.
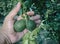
7 27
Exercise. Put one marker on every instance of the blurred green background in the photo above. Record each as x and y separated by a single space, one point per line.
49 10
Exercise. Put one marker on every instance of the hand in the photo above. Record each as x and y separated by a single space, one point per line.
9 21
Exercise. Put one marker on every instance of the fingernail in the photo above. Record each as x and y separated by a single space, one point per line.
18 4
30 13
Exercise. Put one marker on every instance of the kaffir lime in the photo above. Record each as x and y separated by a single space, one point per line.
20 25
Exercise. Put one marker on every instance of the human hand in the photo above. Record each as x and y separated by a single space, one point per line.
9 22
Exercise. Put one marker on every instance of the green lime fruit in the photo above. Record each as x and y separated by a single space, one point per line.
20 25
30 25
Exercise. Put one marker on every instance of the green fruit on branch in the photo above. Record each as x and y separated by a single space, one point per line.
31 25
19 25
24 23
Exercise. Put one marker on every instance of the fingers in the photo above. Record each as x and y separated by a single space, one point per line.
14 11
37 17
38 21
30 13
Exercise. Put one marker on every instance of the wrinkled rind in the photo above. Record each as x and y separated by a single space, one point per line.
31 25
19 25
